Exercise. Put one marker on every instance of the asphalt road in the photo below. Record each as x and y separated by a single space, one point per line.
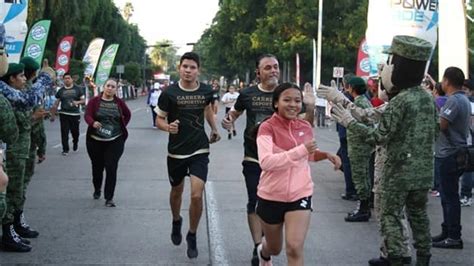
75 229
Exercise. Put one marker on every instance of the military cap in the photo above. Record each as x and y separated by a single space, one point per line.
14 68
348 77
356 81
30 63
411 48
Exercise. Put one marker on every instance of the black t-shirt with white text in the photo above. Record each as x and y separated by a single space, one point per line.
187 106
258 104
67 96
109 116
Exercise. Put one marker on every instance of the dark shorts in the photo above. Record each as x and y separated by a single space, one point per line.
273 212
227 109
251 171
196 165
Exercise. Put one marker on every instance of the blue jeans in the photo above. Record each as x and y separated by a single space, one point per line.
346 167
449 177
466 184
436 179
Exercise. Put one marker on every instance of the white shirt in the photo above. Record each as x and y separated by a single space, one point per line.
230 98
155 95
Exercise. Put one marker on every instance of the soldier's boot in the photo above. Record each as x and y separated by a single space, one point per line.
380 261
423 260
11 241
395 261
22 227
362 214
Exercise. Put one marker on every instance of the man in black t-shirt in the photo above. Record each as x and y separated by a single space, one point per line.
71 97
181 110
257 101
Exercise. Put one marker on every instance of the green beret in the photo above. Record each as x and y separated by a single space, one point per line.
30 63
356 81
411 47
14 68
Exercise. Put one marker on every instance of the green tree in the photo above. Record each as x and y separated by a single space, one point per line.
164 55
86 20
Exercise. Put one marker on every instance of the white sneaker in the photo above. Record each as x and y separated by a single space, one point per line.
466 202
260 259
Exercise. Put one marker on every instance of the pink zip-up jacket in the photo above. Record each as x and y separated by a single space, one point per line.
283 157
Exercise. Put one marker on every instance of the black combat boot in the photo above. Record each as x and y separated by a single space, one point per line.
361 214
380 261
423 260
11 241
21 227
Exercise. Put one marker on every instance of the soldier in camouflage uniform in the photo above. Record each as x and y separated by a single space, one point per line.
407 128
22 102
37 146
17 154
8 134
359 154
372 116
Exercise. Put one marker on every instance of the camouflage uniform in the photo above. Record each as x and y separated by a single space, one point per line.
8 135
37 147
380 158
359 155
17 154
407 129
372 116
26 100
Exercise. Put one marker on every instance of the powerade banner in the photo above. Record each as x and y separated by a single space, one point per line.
105 64
63 55
13 16
37 40
387 18
363 62
91 58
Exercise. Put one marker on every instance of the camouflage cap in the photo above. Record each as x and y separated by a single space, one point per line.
30 63
411 47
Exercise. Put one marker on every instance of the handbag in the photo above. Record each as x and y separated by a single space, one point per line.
466 158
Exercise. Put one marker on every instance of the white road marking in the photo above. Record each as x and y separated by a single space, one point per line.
216 243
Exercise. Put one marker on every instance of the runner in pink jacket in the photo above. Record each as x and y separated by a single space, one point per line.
285 145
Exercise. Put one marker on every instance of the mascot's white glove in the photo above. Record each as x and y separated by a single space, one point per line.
332 94
342 115
386 76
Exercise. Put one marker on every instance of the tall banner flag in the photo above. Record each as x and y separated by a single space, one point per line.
63 55
13 16
91 58
105 64
452 36
37 40
387 18
297 69
363 63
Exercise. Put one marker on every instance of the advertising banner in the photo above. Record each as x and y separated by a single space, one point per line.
36 41
363 63
63 55
387 18
105 64
452 36
91 58
13 16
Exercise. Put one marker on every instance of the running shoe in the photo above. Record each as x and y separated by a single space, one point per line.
465 201
192 251
176 236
